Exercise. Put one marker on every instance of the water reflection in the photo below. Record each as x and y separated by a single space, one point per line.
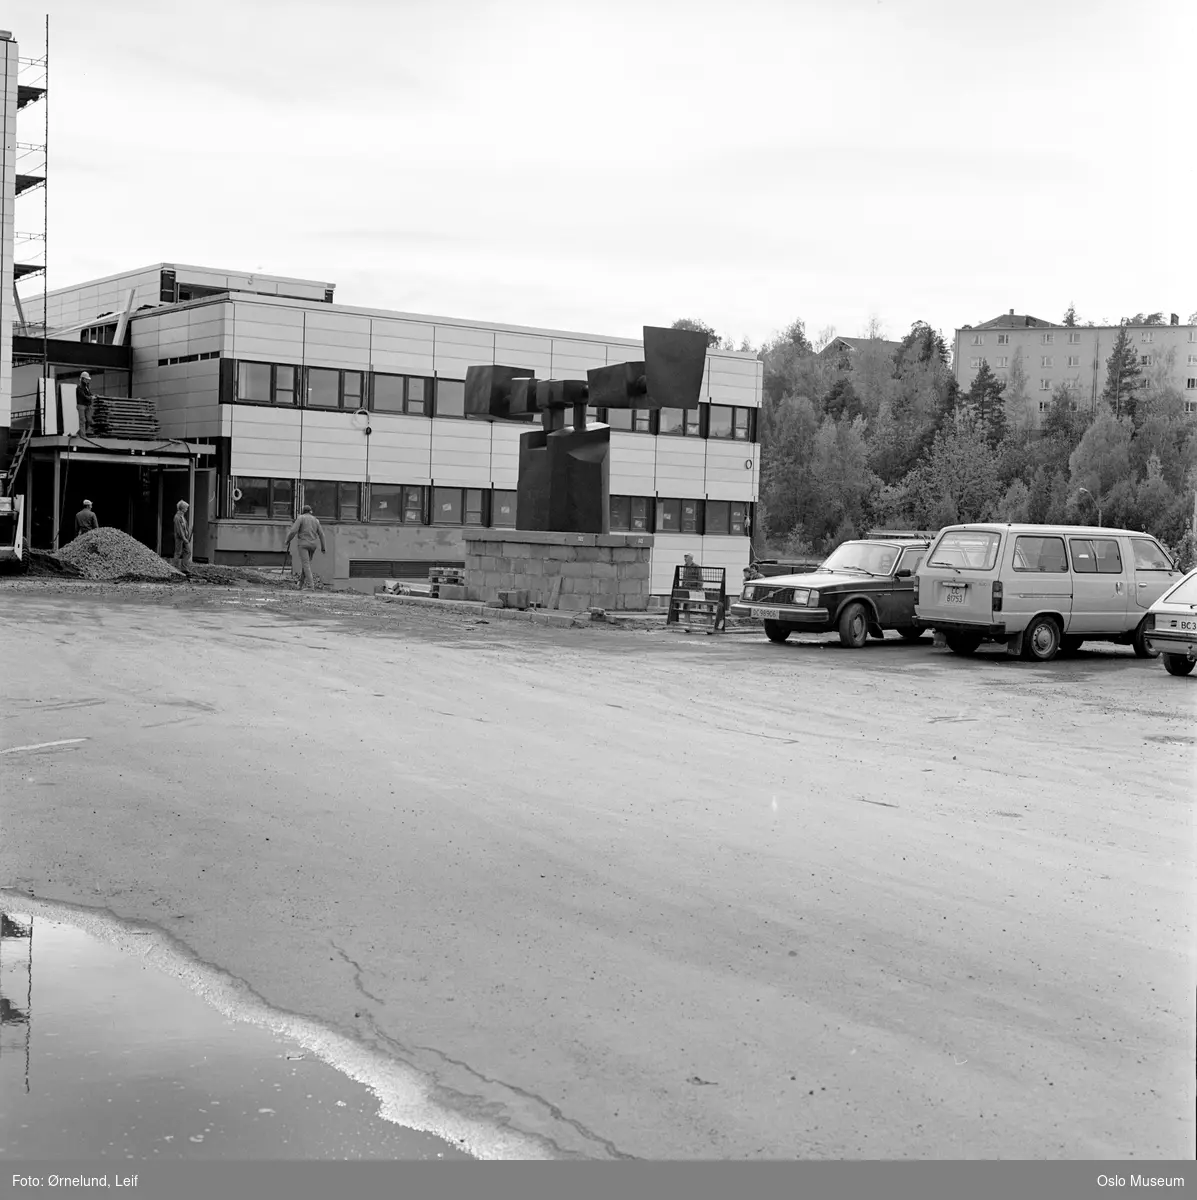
126 1062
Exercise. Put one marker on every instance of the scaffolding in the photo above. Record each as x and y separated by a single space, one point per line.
31 235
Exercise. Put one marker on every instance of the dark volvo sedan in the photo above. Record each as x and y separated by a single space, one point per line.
863 588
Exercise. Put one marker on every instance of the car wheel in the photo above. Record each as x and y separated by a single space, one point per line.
1178 664
1041 640
775 631
962 643
911 634
1070 644
1139 641
854 626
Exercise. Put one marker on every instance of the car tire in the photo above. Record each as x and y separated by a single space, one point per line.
775 631
853 626
1070 644
910 634
1041 640
1139 642
1178 664
962 643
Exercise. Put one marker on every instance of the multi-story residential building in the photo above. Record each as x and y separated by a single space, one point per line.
1047 356
359 412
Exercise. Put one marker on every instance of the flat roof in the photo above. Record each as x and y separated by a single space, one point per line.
170 266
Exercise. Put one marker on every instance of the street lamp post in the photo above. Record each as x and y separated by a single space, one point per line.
1096 504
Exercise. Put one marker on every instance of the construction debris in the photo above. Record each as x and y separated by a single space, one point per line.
110 554
212 573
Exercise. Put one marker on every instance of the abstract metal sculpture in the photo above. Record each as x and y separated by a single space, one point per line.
563 472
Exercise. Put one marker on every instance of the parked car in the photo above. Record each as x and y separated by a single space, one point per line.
1041 589
862 588
1172 626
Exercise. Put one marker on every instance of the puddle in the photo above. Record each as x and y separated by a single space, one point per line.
114 1045
1171 739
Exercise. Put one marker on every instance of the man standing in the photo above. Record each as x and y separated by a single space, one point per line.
307 535
85 519
182 559
83 401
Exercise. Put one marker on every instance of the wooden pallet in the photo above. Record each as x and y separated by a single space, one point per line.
120 418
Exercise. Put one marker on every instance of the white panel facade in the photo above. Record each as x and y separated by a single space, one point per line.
459 347
187 395
335 339
668 552
572 359
461 453
681 465
727 478
400 449
402 347
265 442
505 453
733 381
632 464
332 448
267 332
522 350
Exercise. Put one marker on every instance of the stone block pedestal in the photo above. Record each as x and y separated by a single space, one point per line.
568 571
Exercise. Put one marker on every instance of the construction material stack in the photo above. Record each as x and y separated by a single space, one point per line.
123 418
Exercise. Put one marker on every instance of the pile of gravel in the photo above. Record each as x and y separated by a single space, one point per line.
42 562
110 554
213 573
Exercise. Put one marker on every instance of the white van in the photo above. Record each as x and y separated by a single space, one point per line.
1041 589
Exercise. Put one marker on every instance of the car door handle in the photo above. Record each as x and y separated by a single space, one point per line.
1142 585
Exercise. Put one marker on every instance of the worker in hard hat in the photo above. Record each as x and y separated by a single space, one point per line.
85 519
182 558
83 402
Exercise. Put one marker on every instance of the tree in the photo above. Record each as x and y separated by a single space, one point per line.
1155 318
842 400
957 481
1102 457
841 482
1018 399
713 338
785 462
1070 317
1192 319
824 339
984 403
874 330
924 344
1123 375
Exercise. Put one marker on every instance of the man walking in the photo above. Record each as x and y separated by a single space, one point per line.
182 559
83 401
307 535
85 519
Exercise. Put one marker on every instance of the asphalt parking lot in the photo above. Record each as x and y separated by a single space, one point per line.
640 894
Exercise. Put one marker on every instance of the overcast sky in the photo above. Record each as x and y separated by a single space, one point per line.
603 165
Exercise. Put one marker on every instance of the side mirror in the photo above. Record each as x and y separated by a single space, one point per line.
904 573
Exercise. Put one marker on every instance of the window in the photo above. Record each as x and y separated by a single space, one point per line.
1191 384
475 507
1096 556
333 501
400 394
669 516
1003 339
592 416
265 383
1047 361
692 516
397 502
970 551
721 421
1147 336
630 514
1074 360
1074 339
503 508
1049 339
634 420
910 561
1149 556
269 499
1190 407
1001 362
726 517
1045 385
1147 360
328 388
974 363
446 506
1193 360
1044 554
1045 406
450 398
978 339
678 421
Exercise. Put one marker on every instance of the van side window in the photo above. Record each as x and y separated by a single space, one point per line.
1039 554
1109 556
1149 557
1084 561
911 561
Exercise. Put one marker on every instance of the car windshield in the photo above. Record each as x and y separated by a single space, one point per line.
966 550
861 556
1185 592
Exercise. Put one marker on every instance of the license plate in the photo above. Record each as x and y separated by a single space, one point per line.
767 614
1181 624
954 596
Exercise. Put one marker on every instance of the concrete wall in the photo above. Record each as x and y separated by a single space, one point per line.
569 571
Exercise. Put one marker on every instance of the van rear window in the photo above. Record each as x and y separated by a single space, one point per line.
966 550
1040 554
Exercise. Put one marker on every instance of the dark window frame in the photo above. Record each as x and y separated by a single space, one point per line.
405 404
402 508
483 496
631 503
495 503
341 373
274 369
338 517
662 507
271 483
1043 539
438 381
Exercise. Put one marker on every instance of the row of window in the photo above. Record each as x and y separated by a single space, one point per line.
1074 360
1074 338
416 504
977 551
413 395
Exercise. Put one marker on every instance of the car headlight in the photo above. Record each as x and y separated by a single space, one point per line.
800 595
748 593
812 599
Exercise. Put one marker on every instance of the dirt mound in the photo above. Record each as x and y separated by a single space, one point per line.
111 554
42 562
213 573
